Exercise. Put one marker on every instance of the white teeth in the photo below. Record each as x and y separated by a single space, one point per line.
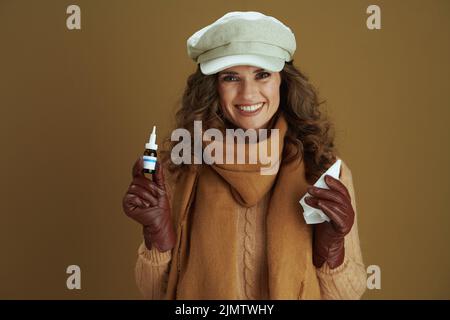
251 108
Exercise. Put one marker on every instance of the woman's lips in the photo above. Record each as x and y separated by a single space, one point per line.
250 110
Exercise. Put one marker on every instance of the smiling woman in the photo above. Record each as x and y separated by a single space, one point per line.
309 131
224 230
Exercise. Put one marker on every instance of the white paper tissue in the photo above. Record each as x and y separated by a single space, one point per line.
313 215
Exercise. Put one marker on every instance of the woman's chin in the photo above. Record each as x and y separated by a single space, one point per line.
246 123
249 126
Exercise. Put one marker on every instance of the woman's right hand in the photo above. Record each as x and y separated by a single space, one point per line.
146 202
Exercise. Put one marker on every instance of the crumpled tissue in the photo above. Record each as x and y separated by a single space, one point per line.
311 214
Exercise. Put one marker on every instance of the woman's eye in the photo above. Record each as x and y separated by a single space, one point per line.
229 78
263 75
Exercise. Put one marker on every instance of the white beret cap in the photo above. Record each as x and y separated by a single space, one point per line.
242 38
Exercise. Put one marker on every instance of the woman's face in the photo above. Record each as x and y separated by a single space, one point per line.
249 96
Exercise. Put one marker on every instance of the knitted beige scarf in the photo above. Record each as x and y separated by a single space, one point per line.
205 209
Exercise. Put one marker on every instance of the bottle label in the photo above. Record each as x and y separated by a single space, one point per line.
149 162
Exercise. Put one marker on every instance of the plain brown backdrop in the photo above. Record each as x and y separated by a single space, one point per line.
77 107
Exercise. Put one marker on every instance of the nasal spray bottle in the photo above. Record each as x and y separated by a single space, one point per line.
150 153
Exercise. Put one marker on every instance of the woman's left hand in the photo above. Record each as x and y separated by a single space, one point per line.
329 236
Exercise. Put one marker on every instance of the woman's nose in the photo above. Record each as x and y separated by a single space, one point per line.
248 90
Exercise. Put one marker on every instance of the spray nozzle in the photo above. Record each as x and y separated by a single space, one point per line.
152 141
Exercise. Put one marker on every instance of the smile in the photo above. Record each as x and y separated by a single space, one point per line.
250 109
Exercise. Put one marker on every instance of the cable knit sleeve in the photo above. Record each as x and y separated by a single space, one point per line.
151 271
348 281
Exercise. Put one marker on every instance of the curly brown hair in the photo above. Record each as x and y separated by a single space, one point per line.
309 130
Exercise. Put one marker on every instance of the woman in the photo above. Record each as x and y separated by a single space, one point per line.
224 230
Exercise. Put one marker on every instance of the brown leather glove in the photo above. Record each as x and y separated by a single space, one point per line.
329 236
146 202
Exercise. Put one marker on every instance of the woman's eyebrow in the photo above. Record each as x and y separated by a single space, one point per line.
227 72
259 70
233 72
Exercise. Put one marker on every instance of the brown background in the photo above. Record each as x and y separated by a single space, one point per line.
77 108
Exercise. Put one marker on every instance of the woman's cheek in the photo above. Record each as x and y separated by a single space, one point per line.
225 107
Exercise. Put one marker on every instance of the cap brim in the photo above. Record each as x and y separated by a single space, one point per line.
216 65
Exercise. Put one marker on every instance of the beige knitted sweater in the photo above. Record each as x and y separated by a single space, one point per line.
347 281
